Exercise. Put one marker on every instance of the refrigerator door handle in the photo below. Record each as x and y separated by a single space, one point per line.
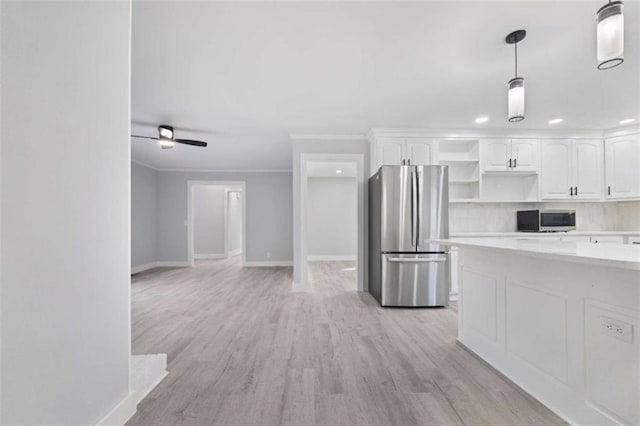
414 207
417 260
419 209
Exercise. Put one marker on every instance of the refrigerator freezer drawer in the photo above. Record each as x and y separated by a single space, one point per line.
415 279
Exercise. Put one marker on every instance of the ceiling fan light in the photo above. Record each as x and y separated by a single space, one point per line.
165 132
516 99
165 143
610 31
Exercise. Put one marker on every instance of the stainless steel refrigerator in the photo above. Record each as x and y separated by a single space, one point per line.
408 206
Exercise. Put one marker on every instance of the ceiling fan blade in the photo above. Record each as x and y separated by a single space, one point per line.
191 142
144 137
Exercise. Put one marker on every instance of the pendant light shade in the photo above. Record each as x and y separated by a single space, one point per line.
516 99
610 21
516 84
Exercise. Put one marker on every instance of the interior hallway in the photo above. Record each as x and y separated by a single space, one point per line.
244 349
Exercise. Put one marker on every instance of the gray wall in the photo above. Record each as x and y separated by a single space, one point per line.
268 211
64 210
143 215
208 219
235 220
331 217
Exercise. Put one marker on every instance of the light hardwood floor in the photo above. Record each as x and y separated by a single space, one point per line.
244 349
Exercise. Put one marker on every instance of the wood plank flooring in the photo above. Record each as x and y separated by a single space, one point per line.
243 349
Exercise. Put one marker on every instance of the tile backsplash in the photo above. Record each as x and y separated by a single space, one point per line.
501 217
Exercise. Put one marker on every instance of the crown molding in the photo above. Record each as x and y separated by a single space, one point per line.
633 129
157 169
227 170
326 137
143 164
486 133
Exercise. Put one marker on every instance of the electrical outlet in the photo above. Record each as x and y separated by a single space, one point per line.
618 329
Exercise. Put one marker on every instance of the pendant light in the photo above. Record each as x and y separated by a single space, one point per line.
516 84
610 21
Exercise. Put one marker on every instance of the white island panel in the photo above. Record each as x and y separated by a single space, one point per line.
552 325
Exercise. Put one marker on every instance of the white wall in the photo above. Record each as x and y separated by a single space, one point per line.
501 217
64 210
268 207
208 220
235 221
143 215
322 146
331 218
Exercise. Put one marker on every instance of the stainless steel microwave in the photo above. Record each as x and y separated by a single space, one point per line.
546 220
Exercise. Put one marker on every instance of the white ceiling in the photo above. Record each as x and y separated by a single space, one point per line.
245 75
329 169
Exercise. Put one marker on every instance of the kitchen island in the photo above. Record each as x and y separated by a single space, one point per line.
560 319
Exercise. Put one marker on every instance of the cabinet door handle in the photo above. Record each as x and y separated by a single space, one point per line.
510 162
575 191
608 190
515 163
404 162
408 161
571 191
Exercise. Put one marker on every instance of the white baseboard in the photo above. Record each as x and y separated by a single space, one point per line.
162 264
145 267
330 258
146 372
235 252
269 263
209 256
122 412
172 264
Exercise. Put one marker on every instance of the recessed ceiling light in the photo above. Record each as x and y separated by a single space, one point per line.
627 120
481 120
339 171
556 121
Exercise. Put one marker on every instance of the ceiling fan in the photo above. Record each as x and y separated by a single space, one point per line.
167 141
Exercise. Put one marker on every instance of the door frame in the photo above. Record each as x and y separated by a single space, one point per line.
189 222
228 191
360 216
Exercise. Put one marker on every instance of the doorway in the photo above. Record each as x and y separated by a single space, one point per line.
215 220
333 220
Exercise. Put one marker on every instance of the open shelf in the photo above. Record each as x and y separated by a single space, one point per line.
510 187
462 157
446 160
463 181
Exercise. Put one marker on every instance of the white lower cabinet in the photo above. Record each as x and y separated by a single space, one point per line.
608 239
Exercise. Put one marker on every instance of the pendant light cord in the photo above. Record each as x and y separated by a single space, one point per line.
516 44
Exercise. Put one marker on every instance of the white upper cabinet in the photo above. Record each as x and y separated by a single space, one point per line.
420 151
622 167
587 170
496 154
555 174
510 155
392 151
524 153
571 170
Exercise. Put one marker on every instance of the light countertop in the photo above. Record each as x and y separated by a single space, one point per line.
624 256
542 234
